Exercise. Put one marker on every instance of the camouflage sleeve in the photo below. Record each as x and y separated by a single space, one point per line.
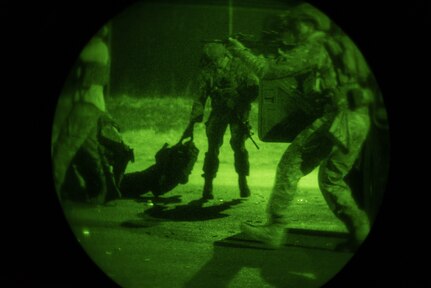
291 63
198 107
300 60
258 65
248 82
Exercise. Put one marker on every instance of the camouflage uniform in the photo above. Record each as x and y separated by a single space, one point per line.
78 148
333 141
231 88
78 144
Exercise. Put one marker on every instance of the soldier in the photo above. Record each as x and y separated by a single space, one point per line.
231 88
78 145
333 140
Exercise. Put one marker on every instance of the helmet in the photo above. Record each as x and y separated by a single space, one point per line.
284 22
308 13
214 51
274 25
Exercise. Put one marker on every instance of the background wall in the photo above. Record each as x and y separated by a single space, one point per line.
156 46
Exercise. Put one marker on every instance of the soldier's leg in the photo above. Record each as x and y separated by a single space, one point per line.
113 189
242 165
93 170
116 152
116 155
215 129
335 190
76 128
63 153
73 186
302 156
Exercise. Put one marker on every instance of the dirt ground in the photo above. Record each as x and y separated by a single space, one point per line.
180 241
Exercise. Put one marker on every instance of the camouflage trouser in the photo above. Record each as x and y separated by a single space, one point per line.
115 151
215 129
77 143
312 147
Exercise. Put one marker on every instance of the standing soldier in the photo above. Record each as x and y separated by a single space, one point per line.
231 88
334 138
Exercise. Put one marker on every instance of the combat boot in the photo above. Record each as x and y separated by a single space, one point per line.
207 192
243 187
272 235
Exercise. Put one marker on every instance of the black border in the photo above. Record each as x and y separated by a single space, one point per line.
391 35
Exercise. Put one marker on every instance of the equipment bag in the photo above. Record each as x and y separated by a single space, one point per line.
173 166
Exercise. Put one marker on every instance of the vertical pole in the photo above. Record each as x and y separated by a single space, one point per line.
230 9
109 44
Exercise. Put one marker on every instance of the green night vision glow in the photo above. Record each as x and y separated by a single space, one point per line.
218 142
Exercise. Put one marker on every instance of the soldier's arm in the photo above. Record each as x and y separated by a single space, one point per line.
198 107
258 65
302 59
248 82
296 61
197 113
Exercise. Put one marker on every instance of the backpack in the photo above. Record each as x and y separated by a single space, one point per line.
173 167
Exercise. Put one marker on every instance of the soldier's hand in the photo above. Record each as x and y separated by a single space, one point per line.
189 131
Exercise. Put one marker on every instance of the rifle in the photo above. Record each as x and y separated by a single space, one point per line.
247 128
250 134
